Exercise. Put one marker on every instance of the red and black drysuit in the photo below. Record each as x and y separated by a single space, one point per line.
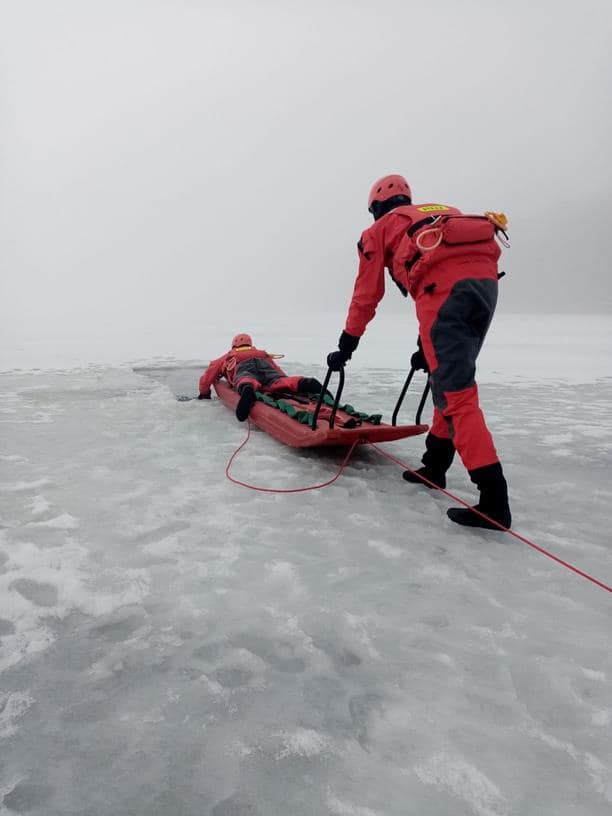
247 365
454 286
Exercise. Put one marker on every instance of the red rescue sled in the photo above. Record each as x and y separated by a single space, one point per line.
291 432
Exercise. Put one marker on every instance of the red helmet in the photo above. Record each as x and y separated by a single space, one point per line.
242 340
387 187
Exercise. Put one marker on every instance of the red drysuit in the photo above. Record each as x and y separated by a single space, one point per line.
247 364
447 262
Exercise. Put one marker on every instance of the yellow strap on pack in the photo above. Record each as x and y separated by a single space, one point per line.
270 354
498 219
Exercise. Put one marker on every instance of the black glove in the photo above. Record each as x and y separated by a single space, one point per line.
418 361
206 395
347 344
337 359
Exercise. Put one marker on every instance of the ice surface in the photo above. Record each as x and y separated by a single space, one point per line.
172 644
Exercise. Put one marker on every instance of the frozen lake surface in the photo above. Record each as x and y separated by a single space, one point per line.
173 645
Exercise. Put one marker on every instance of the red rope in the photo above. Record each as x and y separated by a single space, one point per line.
290 489
452 496
496 523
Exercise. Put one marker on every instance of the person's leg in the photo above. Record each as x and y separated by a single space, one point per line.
454 338
309 385
493 501
438 456
453 341
475 446
247 373
276 380
271 376
281 383
470 434
248 380
439 447
246 387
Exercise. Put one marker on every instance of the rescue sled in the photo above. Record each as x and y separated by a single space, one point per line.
319 423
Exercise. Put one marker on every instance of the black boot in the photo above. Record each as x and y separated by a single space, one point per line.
246 402
437 459
493 500
308 385
437 478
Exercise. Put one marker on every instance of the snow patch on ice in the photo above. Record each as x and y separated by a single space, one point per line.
593 674
38 584
284 578
304 742
13 706
600 774
39 505
339 808
62 522
602 718
359 624
465 781
557 439
22 485
445 659
388 550
240 749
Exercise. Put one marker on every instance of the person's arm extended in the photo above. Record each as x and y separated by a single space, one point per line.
369 286
212 373
367 292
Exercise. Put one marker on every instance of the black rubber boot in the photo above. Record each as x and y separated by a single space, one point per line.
493 500
308 385
437 459
437 478
245 403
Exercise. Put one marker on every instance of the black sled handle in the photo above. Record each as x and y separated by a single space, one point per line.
417 419
398 404
332 418
400 400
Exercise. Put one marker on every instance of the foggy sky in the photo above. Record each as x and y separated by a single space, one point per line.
170 161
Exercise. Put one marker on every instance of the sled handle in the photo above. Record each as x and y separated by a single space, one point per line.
422 402
332 418
400 400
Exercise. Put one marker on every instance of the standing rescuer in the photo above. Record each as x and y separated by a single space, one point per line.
447 262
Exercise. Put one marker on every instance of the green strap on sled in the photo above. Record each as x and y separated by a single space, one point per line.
305 417
373 419
301 416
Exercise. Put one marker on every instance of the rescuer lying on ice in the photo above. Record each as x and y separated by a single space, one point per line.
447 262
248 369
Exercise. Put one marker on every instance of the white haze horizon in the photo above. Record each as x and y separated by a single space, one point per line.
519 348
